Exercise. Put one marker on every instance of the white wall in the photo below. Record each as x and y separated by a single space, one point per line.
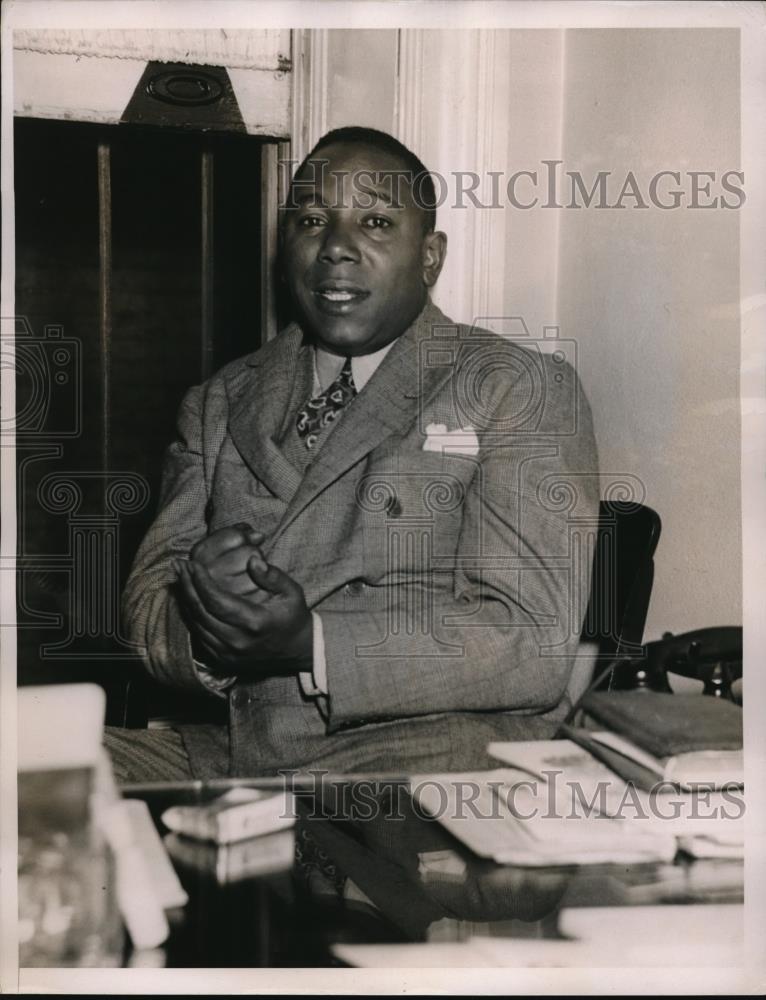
652 298
533 134
362 78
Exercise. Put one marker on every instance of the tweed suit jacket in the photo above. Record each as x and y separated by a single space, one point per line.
444 580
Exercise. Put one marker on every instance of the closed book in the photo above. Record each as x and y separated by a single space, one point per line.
716 769
684 739
668 724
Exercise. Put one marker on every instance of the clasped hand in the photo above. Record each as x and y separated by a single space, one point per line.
245 616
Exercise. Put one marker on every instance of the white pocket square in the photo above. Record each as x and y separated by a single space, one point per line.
461 441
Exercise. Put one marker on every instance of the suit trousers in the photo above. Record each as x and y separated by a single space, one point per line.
142 755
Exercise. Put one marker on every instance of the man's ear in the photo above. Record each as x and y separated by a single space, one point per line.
434 252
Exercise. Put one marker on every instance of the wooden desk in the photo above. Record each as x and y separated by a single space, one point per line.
357 878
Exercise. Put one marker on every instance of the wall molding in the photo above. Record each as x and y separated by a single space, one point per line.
309 89
409 93
491 137
441 75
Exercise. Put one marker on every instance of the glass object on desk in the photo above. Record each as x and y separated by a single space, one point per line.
68 914
67 910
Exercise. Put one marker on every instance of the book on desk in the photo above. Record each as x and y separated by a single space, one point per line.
652 737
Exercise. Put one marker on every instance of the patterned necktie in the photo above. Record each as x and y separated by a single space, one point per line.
321 411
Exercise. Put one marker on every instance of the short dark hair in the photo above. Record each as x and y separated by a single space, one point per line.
423 191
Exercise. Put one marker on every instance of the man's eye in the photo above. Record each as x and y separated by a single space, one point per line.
377 222
311 221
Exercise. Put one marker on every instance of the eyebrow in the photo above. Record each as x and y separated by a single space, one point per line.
381 186
382 195
316 199
308 197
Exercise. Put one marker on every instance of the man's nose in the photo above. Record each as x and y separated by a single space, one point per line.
339 244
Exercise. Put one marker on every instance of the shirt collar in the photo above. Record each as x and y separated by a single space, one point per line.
327 366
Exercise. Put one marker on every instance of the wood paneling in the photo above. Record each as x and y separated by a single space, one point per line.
146 249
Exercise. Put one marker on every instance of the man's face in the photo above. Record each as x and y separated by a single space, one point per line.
357 261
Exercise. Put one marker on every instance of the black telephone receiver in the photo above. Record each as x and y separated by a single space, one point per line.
711 655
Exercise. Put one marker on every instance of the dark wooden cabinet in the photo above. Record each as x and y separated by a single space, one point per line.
144 261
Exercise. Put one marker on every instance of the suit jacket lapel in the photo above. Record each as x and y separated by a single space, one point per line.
387 405
272 382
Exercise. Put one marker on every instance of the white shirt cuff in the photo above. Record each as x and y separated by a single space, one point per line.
314 682
216 684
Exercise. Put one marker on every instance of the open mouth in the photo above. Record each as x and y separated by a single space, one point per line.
337 296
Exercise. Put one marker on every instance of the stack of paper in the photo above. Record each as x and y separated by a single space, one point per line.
517 817
703 824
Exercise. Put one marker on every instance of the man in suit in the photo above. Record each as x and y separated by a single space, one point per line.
360 543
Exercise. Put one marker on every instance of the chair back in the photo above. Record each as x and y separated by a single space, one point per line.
621 585
622 577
